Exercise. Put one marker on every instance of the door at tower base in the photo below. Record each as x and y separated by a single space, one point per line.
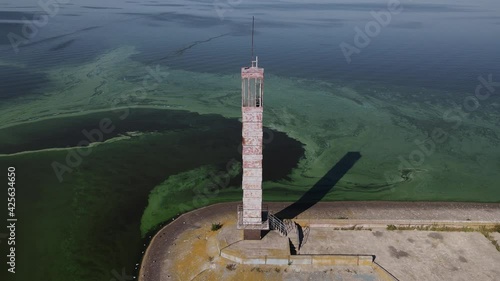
252 234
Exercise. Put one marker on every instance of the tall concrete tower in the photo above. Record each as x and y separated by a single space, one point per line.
252 218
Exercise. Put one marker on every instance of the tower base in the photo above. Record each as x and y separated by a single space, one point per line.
252 234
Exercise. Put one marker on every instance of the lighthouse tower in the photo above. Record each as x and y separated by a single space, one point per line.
252 218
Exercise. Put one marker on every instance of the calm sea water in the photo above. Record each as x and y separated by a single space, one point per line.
438 44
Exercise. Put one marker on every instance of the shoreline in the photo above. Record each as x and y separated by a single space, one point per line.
165 237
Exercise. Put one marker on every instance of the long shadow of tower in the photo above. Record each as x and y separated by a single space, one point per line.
321 188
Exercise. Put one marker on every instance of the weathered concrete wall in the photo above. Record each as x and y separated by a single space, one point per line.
252 164
240 257
373 223
383 273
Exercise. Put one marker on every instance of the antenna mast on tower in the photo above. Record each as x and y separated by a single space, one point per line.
252 215
253 26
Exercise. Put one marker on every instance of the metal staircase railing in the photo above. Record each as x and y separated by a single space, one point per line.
288 228
276 224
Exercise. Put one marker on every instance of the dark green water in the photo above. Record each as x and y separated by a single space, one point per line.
88 225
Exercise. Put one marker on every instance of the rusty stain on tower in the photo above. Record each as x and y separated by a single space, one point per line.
252 217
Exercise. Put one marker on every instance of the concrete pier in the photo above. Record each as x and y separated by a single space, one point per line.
187 249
